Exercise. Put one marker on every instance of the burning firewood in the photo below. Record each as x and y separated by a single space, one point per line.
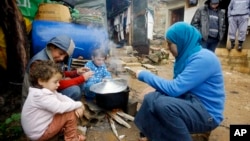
118 119
126 116
112 124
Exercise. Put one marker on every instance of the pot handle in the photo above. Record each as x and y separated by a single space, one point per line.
127 90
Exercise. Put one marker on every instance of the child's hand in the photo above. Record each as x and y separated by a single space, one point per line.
88 74
82 70
79 111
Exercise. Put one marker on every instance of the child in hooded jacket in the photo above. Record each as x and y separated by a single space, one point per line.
58 49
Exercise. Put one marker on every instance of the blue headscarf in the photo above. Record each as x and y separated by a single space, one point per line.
188 41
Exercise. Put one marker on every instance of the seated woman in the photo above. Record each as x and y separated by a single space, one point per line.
193 101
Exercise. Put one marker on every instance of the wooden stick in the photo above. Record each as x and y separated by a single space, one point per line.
112 124
126 116
118 119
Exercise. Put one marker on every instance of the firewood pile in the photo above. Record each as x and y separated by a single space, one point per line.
94 115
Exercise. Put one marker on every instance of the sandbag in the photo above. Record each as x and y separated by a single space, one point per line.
53 12
29 8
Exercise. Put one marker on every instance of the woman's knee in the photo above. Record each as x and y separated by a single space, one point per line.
150 96
164 104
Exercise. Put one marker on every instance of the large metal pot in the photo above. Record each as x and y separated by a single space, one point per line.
111 93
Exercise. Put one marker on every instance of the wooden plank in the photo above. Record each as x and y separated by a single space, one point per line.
132 70
133 64
148 66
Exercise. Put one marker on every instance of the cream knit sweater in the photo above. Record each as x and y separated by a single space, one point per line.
39 109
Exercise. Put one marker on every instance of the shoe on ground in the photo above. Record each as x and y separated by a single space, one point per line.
239 48
232 46
143 139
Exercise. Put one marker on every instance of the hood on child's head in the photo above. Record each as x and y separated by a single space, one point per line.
63 42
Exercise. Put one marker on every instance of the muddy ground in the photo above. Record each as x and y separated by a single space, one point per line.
237 106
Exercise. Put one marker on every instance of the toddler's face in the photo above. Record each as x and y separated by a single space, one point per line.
98 60
53 83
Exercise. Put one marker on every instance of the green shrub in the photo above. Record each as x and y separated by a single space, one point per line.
11 129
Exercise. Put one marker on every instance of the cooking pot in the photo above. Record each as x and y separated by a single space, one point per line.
111 93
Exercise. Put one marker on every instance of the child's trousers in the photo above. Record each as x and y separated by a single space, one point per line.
66 123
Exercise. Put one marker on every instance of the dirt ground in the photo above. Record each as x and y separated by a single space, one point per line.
237 106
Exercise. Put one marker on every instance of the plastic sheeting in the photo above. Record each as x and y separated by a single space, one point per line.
92 12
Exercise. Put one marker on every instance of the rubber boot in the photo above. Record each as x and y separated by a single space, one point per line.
240 46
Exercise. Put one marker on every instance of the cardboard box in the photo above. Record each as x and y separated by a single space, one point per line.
53 12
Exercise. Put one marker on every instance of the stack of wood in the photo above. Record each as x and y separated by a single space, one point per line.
118 117
132 69
76 63
94 114
158 54
151 68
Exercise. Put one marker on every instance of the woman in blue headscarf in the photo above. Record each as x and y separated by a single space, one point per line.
193 101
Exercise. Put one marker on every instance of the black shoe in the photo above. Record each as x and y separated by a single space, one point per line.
239 48
143 137
232 45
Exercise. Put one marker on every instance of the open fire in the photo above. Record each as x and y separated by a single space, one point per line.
94 115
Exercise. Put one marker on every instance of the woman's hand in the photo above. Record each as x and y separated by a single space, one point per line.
79 111
138 72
